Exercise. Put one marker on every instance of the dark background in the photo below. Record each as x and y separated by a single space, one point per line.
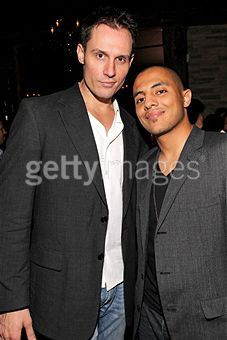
34 61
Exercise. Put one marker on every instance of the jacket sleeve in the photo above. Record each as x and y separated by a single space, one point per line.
16 205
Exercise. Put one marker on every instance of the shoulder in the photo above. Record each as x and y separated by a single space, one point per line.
213 139
50 99
43 108
215 147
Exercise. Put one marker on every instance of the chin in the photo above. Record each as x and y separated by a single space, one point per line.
107 94
153 131
157 132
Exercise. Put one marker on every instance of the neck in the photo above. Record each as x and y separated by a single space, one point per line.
91 99
171 145
101 109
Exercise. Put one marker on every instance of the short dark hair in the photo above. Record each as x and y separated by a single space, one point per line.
110 16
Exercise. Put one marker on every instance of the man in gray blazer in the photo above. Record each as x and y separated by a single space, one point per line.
181 290
67 205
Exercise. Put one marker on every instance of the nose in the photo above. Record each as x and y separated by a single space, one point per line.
150 101
110 69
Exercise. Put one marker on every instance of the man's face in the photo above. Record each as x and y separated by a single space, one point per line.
3 133
160 101
106 59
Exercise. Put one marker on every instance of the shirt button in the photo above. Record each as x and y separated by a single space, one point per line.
104 219
101 257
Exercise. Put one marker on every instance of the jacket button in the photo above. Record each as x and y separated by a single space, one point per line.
101 256
104 219
171 307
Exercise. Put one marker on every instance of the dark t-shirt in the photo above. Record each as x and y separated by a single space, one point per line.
158 190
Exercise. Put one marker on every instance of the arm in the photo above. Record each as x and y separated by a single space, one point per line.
16 205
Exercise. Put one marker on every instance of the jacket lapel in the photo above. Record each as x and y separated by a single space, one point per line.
74 115
189 153
130 158
144 184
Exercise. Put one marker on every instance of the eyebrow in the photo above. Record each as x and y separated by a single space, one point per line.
161 83
96 50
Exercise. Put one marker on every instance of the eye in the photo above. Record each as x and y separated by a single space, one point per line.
100 55
122 60
140 100
161 91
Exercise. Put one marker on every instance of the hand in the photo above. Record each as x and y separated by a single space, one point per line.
12 323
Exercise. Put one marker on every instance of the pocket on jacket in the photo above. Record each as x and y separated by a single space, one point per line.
198 202
214 308
46 258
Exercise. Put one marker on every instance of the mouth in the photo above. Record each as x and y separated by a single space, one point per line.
153 115
108 84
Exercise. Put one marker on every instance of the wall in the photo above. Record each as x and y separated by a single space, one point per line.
149 47
207 64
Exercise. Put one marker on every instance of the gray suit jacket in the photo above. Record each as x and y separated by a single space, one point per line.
53 233
190 240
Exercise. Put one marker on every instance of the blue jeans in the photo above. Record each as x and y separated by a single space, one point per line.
111 320
152 326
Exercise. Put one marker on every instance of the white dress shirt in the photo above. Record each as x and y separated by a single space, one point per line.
111 155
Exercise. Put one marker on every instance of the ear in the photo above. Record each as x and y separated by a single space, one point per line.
80 53
187 97
131 59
